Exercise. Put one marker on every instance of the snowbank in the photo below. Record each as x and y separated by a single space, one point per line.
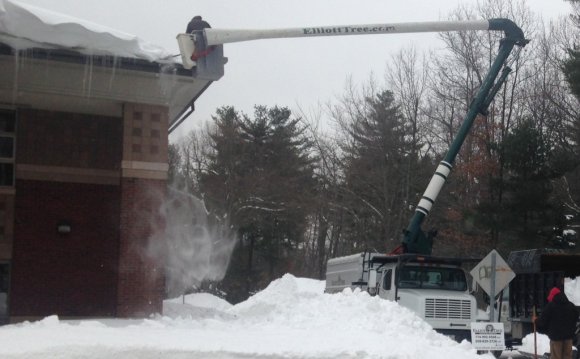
572 290
292 318
25 26
196 306
203 300
542 344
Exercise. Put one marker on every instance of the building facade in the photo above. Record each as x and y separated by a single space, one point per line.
83 176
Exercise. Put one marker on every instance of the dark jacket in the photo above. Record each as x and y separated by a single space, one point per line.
196 24
558 319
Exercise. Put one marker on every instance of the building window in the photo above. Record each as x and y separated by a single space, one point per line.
7 147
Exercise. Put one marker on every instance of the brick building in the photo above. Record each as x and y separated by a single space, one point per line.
83 170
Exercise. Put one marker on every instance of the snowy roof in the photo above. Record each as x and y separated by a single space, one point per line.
66 39
25 26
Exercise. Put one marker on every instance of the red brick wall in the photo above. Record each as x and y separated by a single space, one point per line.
72 274
141 283
103 267
65 139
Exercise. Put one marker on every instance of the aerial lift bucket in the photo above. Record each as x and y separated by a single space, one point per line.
186 49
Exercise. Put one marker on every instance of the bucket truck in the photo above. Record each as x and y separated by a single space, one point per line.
433 287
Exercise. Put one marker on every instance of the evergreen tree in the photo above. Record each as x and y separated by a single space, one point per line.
174 158
572 64
375 174
572 71
261 178
528 181
221 185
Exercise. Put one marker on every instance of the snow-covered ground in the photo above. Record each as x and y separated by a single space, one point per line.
291 318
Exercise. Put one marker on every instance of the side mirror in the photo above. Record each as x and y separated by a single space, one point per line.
473 286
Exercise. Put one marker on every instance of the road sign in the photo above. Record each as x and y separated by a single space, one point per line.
483 273
487 336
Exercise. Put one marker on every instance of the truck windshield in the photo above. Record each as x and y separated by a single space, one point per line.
432 278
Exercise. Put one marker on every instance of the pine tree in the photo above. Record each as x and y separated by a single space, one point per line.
571 66
528 179
375 168
261 178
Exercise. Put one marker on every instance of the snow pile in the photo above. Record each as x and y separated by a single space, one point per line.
292 318
348 324
542 344
203 300
196 306
25 26
572 290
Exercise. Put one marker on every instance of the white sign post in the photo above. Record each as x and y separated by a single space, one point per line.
483 272
492 274
487 336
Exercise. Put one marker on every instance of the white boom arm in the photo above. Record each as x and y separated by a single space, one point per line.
224 36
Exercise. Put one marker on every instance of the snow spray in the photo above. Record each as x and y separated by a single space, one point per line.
196 247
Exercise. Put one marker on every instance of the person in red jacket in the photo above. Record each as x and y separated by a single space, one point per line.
558 322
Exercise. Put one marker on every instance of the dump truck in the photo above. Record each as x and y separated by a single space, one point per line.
537 271
435 288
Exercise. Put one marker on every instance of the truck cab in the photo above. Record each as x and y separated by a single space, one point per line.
435 288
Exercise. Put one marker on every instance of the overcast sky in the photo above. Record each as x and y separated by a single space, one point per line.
298 73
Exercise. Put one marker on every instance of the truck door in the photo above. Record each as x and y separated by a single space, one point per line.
387 289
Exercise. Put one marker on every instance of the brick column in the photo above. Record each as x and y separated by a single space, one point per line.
143 191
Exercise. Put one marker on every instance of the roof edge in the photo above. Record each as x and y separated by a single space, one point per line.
75 57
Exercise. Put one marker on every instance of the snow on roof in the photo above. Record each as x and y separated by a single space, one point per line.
25 26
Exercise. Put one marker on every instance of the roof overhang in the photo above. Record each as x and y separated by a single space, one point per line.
66 80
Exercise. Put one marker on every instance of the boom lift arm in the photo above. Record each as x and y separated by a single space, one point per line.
204 50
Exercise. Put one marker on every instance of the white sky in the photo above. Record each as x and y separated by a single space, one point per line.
292 318
292 72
